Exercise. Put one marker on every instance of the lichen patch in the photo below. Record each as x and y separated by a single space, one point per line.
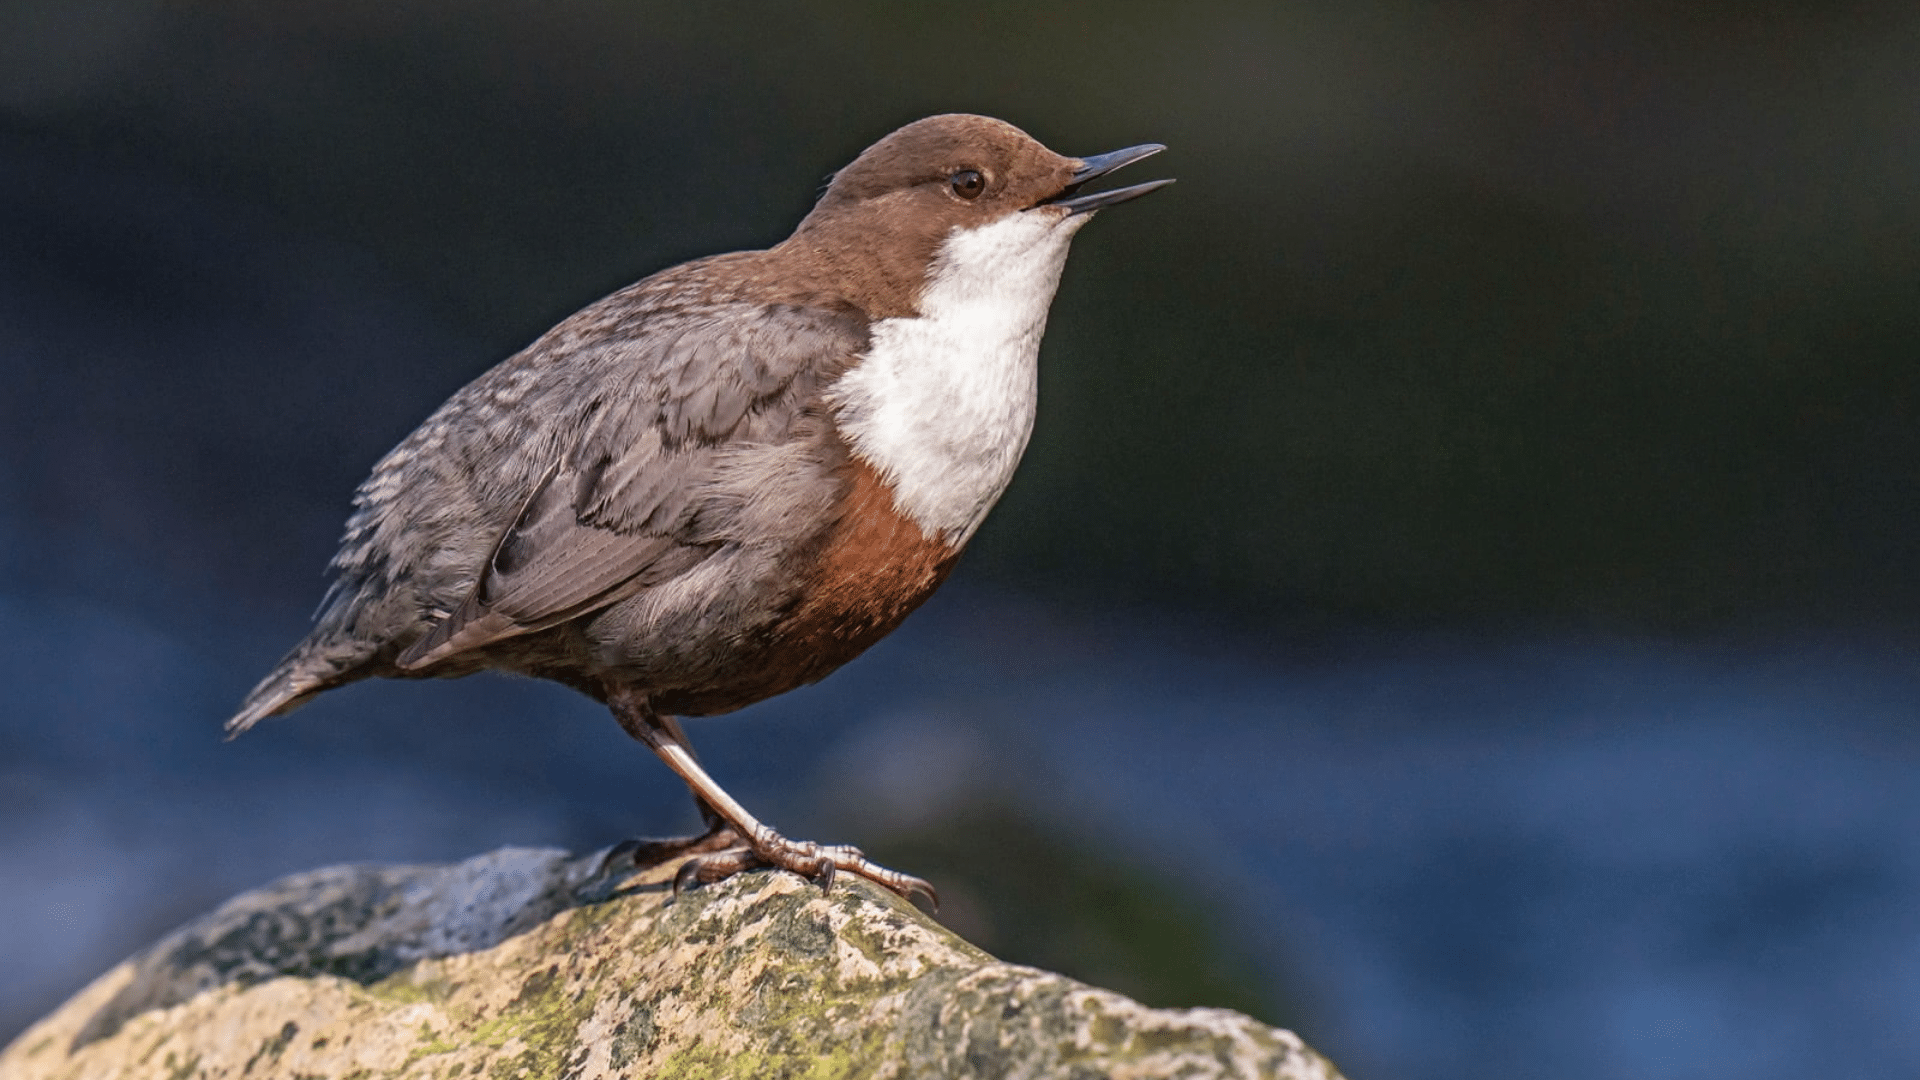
761 975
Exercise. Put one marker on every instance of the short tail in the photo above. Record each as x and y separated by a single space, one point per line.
278 694
306 671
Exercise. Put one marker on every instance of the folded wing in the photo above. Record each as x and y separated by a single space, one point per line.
614 512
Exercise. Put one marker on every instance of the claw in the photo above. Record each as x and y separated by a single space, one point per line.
918 887
621 851
685 876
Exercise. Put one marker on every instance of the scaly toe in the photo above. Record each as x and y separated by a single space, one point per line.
705 869
819 863
641 854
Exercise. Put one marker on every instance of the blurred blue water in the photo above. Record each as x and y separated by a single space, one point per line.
1571 858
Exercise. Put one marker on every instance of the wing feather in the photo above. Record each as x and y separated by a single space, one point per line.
613 514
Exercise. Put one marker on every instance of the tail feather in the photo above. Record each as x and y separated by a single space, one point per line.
313 666
279 693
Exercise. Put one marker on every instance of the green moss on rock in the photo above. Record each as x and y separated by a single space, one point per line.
560 971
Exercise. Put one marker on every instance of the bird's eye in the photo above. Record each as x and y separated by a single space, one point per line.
968 183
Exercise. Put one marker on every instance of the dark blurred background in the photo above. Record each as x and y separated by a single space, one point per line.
1458 600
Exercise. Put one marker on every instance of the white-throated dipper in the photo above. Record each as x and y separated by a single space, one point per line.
731 478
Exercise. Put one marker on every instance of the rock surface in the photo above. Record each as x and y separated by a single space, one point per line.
537 964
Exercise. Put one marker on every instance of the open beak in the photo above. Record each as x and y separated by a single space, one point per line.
1100 165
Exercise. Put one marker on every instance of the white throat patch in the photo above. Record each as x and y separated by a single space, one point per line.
942 404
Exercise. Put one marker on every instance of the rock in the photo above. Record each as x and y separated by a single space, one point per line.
536 964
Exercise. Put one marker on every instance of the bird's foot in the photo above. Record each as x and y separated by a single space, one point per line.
641 854
816 862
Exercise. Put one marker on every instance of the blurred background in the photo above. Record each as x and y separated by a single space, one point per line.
1458 602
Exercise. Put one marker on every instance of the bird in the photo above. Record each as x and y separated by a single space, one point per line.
730 478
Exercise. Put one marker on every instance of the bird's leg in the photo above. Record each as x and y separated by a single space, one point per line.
719 836
716 825
762 846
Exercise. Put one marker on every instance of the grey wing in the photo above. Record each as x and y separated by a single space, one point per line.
619 508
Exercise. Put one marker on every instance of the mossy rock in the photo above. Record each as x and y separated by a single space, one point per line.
536 964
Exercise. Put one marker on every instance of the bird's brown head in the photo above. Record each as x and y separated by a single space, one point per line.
949 170
884 216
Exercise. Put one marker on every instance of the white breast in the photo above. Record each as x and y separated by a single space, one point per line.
942 404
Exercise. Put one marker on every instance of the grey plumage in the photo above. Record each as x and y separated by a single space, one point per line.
661 452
